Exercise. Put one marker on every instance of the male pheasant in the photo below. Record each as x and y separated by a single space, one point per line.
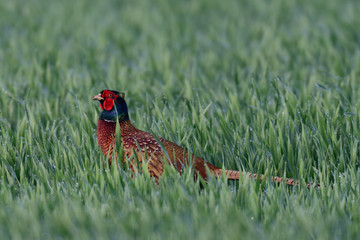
135 141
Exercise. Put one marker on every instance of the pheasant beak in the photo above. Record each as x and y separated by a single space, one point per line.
98 97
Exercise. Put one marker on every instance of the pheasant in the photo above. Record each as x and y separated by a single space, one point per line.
145 146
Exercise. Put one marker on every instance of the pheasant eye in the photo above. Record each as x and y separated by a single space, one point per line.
110 95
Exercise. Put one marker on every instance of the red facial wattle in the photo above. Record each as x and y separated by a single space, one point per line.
108 104
108 97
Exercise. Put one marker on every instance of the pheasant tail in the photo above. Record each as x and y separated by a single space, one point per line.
235 175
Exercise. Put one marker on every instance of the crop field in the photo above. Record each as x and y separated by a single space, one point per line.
269 87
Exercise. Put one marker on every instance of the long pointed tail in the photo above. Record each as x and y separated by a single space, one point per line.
235 175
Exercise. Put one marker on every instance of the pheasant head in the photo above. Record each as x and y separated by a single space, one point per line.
113 105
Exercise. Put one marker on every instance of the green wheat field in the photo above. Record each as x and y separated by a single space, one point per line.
269 87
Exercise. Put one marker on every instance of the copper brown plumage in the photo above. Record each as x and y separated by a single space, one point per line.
106 136
144 145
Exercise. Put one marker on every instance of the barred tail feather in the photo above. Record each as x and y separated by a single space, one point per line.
235 175
232 174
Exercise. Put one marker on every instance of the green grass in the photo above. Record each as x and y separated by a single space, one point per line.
266 86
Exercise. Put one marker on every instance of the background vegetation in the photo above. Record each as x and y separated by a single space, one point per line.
265 86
